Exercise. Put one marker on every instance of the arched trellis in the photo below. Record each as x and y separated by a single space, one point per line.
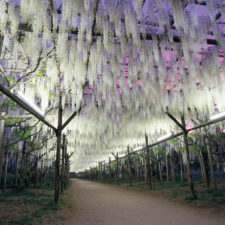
150 36
58 130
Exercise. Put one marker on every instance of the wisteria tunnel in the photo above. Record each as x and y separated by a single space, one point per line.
112 112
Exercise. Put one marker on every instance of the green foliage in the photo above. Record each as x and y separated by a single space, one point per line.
160 149
193 148
25 221
193 135
173 142
113 165
42 71
8 104
23 133
10 79
49 185
12 104
137 156
43 201
10 122
189 198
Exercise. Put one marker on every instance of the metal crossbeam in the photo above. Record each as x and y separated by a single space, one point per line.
176 135
25 106
70 118
175 121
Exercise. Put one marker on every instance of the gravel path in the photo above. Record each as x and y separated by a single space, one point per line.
102 204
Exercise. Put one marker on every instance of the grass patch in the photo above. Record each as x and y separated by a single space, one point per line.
174 195
180 191
189 198
34 205
24 221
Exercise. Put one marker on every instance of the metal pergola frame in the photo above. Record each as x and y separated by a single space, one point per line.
58 130
172 137
61 126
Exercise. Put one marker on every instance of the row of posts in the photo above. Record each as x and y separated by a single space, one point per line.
100 172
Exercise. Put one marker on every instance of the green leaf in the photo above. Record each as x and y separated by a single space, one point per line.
193 149
173 142
10 79
41 73
160 149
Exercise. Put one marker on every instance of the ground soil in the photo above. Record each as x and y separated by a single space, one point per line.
93 203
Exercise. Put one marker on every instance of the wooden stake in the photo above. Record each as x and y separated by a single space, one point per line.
22 166
129 165
172 168
211 164
57 162
167 168
137 169
36 173
145 170
63 163
110 172
149 177
6 172
117 168
181 168
41 172
99 167
182 125
189 174
2 140
160 168
17 156
104 177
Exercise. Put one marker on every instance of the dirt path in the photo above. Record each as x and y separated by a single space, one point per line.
102 204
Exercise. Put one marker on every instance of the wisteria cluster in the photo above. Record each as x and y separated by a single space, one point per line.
125 61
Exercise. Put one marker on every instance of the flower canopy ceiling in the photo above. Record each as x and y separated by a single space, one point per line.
123 61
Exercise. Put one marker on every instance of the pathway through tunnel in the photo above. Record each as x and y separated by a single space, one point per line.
104 204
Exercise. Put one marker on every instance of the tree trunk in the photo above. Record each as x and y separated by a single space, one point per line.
1 44
160 169
145 170
172 168
203 165
67 168
213 180
27 176
2 139
57 162
36 173
189 174
41 172
17 156
104 171
22 166
129 165
99 168
6 172
63 163
181 168
149 176
137 170
201 160
117 169
167 169
110 172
